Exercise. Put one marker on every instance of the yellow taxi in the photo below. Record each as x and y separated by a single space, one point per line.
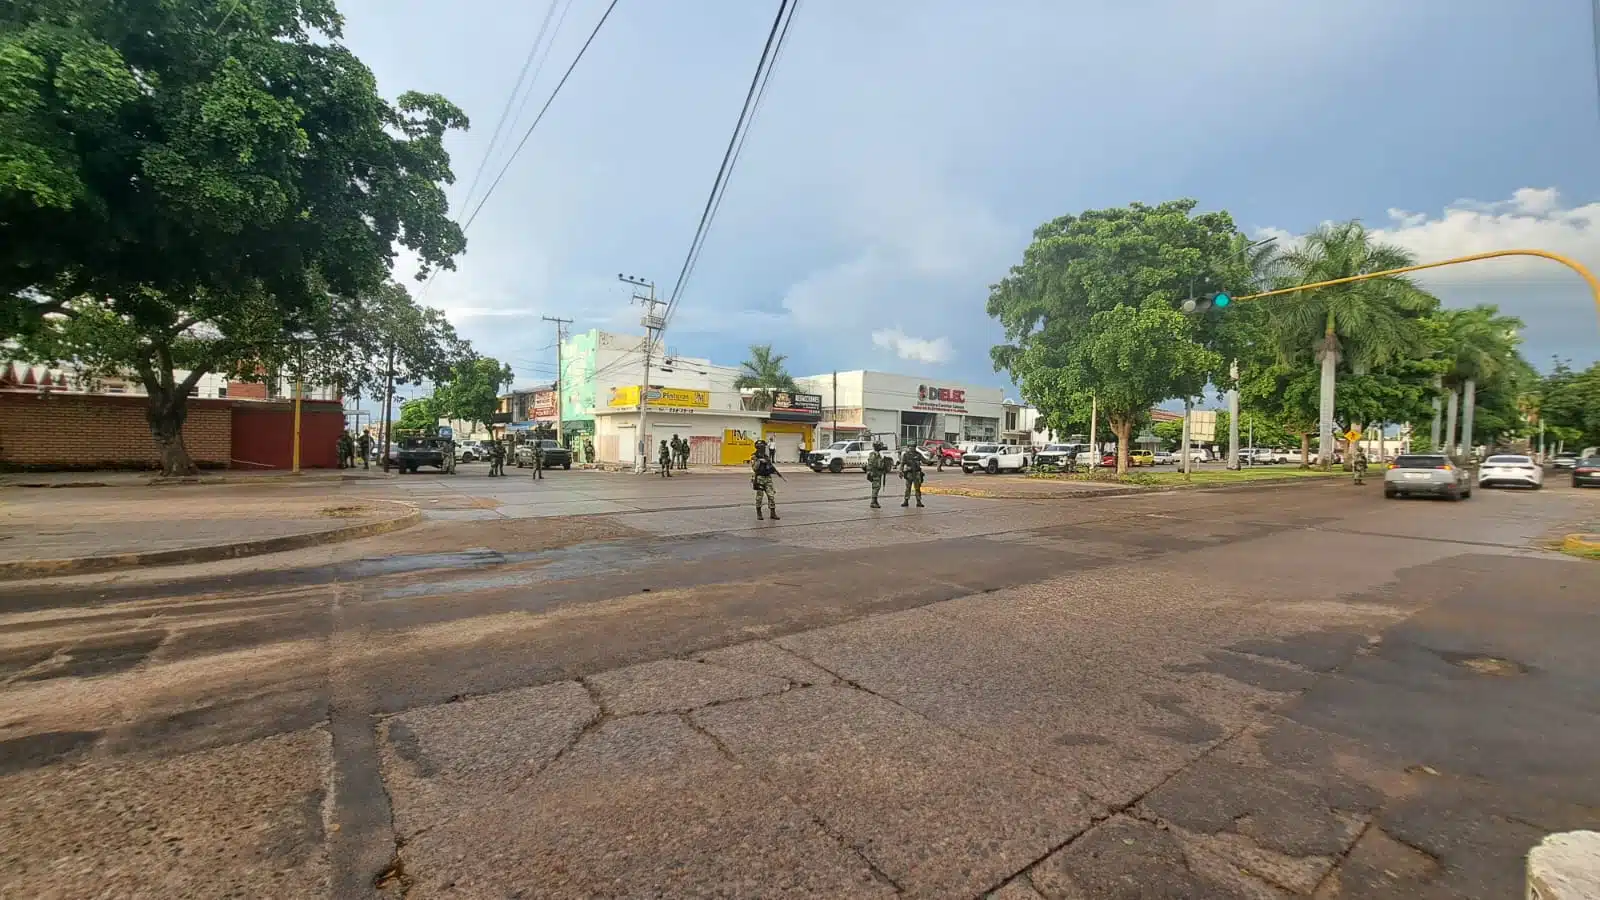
1141 458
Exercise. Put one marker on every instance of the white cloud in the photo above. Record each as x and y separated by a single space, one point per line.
922 350
1532 219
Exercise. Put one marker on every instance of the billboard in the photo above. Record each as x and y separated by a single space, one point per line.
660 398
543 408
791 407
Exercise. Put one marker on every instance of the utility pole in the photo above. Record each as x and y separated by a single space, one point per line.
835 436
559 380
1188 409
1094 417
1233 417
652 327
388 401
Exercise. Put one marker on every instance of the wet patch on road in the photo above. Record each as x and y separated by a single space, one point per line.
1483 665
36 750
100 657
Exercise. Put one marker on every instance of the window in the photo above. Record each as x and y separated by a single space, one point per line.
222 392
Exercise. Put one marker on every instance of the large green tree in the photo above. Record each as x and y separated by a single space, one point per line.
1091 312
184 186
1363 324
765 372
471 393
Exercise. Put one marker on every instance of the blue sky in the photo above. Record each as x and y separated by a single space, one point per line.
907 148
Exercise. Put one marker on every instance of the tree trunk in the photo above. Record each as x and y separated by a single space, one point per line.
166 414
1305 449
1123 429
1437 407
1329 354
1450 422
1469 397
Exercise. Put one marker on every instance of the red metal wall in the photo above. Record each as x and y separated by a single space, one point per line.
264 432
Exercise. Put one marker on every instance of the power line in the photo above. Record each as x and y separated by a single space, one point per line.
539 118
538 67
755 111
511 99
724 170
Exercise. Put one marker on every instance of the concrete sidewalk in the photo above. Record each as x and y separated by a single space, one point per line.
50 532
207 477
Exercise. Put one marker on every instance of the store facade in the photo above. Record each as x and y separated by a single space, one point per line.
721 426
904 408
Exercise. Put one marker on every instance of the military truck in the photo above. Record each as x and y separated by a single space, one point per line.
415 449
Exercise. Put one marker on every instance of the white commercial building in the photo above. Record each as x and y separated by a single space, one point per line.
905 408
694 399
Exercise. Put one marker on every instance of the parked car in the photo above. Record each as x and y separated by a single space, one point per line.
472 451
1164 458
1141 458
1511 469
1199 454
1426 473
936 450
995 458
554 455
1567 460
414 451
1061 455
1587 472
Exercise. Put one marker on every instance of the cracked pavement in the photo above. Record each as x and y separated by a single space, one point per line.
1296 691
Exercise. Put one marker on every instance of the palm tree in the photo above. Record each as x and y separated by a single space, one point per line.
1365 323
764 371
1479 346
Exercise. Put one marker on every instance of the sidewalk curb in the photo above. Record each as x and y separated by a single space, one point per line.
161 481
1125 490
45 568
1565 866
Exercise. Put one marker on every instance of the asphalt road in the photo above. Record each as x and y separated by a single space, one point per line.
603 685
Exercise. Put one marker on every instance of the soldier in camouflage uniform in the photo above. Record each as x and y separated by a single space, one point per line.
664 458
538 458
763 472
497 458
911 471
877 470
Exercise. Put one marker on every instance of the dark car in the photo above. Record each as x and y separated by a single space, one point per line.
1587 472
555 455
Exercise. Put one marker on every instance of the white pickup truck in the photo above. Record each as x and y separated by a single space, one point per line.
995 458
841 455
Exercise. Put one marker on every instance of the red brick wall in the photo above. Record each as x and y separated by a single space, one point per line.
100 431
247 390
263 435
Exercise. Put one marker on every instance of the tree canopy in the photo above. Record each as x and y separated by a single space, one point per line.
189 186
765 372
1091 311
471 392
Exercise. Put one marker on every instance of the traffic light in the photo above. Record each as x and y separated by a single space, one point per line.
1209 302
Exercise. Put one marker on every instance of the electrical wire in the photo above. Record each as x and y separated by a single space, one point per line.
725 169
538 67
538 118
755 111
511 99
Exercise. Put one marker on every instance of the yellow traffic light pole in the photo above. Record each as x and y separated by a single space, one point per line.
1569 262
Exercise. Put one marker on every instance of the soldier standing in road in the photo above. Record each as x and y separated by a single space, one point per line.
538 459
911 471
764 471
347 451
1359 467
364 444
497 458
588 451
683 454
664 459
877 467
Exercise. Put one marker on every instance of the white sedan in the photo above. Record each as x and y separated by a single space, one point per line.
1508 470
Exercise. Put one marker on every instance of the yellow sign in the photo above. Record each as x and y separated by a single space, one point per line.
674 398
1352 435
737 447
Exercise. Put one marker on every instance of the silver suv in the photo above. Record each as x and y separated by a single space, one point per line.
1427 473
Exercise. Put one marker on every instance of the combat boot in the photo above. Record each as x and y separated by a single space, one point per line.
919 504
904 503
772 513
875 505
759 517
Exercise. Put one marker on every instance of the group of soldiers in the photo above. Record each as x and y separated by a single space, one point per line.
764 468
349 446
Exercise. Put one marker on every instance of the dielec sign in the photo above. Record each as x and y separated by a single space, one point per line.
941 399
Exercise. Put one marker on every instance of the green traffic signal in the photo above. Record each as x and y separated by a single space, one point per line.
1206 303
1221 299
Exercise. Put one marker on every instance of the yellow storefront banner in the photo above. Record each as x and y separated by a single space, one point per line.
674 398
